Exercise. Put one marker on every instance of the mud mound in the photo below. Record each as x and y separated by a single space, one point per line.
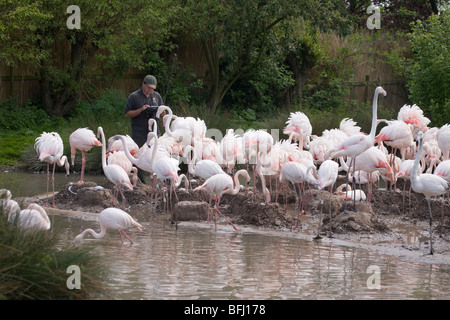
85 197
254 211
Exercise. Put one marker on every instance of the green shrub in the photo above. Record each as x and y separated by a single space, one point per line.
34 266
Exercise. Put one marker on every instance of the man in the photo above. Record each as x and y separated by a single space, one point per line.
142 106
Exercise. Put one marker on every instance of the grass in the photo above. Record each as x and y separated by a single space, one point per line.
34 266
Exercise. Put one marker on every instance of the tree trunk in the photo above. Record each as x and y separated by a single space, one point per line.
59 98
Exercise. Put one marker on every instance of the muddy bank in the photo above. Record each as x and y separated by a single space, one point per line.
383 225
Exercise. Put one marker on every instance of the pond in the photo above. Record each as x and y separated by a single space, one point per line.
194 262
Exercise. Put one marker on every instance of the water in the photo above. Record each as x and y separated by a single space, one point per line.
24 184
194 262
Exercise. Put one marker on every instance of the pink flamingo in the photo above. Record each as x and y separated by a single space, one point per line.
358 143
299 124
50 148
82 139
116 174
220 184
371 160
428 184
115 219
326 177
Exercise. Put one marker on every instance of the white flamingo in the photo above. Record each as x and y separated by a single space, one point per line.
358 143
116 174
115 219
50 148
33 218
220 184
428 184
82 139
9 206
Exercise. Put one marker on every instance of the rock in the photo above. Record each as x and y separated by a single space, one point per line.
190 210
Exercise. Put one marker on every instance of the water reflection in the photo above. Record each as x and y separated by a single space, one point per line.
24 184
197 263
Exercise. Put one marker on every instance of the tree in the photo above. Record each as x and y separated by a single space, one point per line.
428 71
117 33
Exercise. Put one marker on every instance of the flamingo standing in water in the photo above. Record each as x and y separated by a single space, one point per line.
220 184
115 219
82 139
50 148
358 143
428 184
115 173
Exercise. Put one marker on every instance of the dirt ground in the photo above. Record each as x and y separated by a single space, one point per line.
381 225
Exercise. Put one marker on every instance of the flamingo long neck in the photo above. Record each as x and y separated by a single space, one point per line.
169 119
155 148
180 179
374 112
132 159
100 131
193 160
236 181
414 176
93 233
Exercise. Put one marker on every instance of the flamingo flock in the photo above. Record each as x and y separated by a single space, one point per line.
404 148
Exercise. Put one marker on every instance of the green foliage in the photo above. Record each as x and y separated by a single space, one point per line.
14 116
429 71
33 266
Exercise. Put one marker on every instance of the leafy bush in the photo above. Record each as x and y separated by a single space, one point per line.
428 73
14 116
33 266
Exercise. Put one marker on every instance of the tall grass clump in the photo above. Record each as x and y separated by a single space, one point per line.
33 266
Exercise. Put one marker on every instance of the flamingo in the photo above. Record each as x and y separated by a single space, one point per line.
443 138
371 160
115 219
115 145
398 135
443 170
204 168
82 139
33 218
50 148
9 206
220 184
357 194
428 184
182 134
358 143
120 158
326 177
299 124
115 173
404 173
296 173
413 115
